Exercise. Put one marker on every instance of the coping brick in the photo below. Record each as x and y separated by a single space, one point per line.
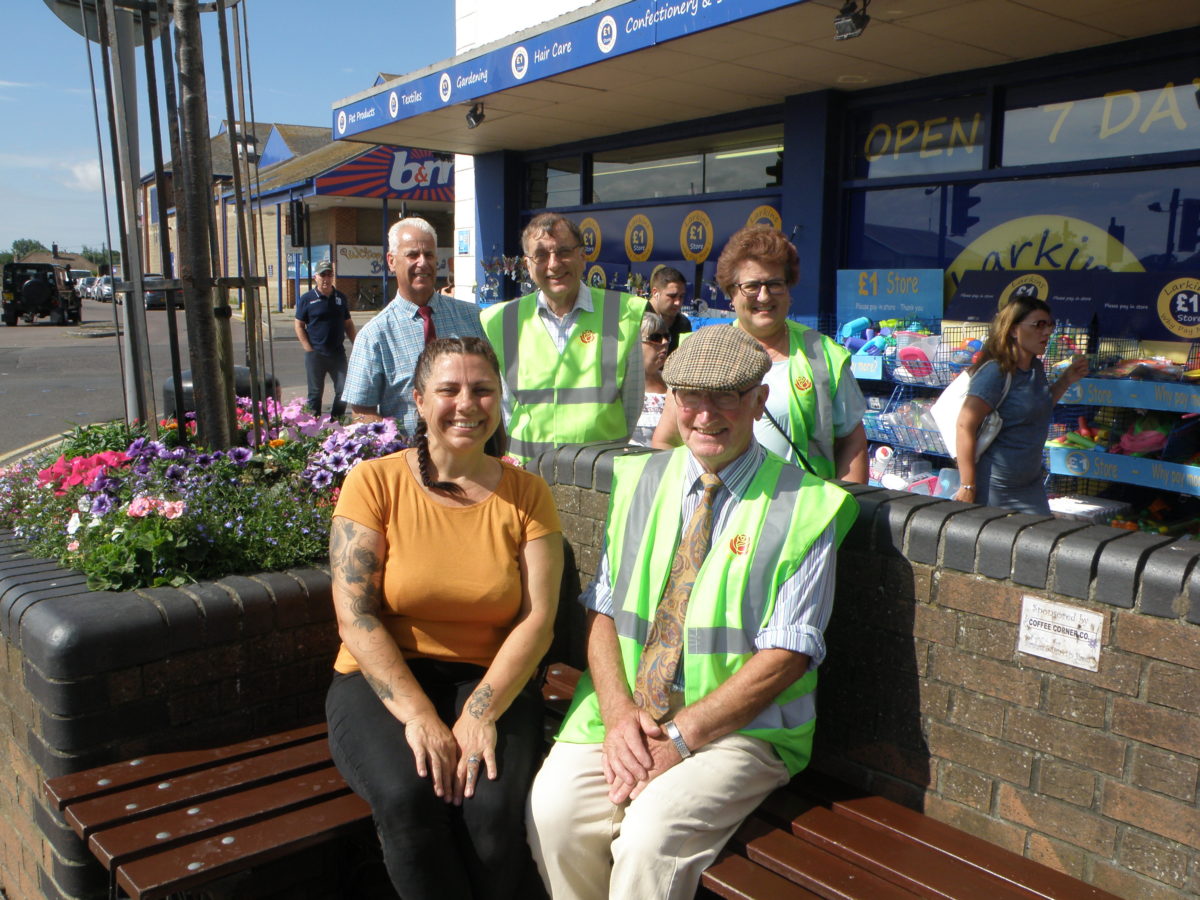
891 519
960 538
1033 548
69 637
1164 575
1076 557
925 529
1119 569
997 540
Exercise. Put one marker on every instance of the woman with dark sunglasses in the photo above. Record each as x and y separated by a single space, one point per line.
656 343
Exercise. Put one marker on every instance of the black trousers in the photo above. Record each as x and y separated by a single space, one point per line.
433 849
316 367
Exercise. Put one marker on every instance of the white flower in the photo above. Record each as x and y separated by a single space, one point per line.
73 523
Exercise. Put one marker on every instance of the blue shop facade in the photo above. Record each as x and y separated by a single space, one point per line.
1076 160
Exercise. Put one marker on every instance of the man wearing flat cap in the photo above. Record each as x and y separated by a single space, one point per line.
322 323
705 625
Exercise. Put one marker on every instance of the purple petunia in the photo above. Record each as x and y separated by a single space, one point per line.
239 456
176 472
102 504
322 479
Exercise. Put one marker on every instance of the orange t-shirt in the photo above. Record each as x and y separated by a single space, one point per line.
451 576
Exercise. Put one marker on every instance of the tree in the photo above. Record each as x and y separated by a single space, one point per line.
99 256
24 246
5 257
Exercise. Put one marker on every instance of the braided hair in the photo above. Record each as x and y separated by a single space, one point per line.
497 442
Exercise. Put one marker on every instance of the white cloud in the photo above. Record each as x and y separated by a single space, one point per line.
85 176
14 84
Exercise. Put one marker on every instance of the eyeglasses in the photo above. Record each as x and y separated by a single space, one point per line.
1040 325
541 257
751 289
656 338
724 400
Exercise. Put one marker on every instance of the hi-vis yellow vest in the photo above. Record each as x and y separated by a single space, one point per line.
571 397
762 544
815 367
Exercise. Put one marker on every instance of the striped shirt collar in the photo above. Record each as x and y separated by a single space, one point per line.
583 302
736 475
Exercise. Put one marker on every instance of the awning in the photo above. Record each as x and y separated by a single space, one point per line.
616 66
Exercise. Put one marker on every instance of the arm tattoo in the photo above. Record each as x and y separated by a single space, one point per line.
360 570
479 701
381 688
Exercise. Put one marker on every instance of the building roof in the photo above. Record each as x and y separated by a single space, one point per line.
734 62
70 260
308 166
302 139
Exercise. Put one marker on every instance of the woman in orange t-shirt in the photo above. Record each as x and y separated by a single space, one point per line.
446 567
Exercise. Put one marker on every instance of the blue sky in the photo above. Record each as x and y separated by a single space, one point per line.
304 57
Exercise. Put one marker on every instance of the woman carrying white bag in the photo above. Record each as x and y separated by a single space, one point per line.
1009 379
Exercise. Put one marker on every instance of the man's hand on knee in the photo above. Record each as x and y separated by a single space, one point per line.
662 749
627 758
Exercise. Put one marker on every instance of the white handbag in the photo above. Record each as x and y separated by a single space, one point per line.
945 412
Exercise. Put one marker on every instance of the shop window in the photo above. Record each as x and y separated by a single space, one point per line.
942 136
615 179
1125 221
552 183
1130 113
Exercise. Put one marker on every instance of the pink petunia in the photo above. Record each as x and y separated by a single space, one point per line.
140 507
172 509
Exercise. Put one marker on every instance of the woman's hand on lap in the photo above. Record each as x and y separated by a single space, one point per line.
476 739
434 750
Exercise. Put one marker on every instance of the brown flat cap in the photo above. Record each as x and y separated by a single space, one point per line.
717 358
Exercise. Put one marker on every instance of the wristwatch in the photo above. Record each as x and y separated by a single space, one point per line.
677 739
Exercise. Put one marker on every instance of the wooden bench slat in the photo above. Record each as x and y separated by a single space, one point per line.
95 782
141 800
127 841
884 814
925 872
158 875
817 870
737 878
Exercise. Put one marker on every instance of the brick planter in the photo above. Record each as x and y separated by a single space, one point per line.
94 677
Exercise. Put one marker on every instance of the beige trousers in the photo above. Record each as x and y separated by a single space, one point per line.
653 847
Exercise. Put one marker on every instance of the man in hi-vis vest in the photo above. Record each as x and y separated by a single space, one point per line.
569 353
705 629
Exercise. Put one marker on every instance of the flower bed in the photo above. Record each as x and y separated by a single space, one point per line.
133 512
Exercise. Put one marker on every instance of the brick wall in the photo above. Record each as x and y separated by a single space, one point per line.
96 678
925 699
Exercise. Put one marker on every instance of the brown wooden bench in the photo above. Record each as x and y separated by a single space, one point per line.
169 822
173 821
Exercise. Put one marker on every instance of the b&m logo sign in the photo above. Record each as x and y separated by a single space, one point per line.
393 172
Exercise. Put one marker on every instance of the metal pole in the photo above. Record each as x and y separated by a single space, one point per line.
164 233
139 381
209 339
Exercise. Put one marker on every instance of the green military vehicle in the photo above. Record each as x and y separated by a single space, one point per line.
39 290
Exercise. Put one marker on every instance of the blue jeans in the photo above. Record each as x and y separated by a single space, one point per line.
433 849
317 365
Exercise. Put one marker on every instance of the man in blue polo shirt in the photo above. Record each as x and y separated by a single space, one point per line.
322 322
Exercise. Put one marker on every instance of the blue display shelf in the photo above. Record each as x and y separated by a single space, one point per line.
1153 473
1171 397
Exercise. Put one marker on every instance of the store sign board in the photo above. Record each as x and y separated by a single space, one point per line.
297 263
681 235
1177 478
1074 296
1129 394
889 294
1066 634
395 173
619 30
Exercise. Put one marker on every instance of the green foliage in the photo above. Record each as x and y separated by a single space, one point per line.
25 246
132 512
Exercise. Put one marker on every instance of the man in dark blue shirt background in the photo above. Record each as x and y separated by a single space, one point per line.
322 322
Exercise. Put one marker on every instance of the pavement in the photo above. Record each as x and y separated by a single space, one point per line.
283 339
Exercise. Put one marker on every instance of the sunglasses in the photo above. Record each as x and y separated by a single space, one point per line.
656 338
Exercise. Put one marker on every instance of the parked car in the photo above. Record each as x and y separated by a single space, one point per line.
155 298
39 290
102 289
83 287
